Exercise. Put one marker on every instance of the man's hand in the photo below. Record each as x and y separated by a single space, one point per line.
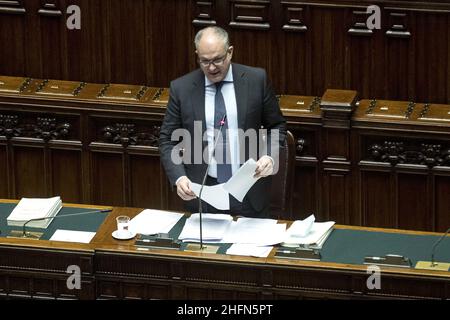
264 167
184 190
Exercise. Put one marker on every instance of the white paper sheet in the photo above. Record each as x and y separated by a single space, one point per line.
237 186
151 221
301 228
315 238
249 250
214 227
259 232
216 195
242 180
72 236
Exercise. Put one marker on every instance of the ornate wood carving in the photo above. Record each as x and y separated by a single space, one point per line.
126 134
48 129
428 154
9 126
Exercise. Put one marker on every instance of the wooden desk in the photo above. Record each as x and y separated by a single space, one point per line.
113 269
124 272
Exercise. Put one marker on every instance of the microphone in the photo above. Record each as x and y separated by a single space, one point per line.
221 124
433 250
24 232
434 265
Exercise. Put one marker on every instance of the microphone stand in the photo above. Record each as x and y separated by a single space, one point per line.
427 265
24 232
200 209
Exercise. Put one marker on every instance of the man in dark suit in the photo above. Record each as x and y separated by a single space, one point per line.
221 97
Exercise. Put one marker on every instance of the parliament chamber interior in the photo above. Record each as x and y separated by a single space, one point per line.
84 87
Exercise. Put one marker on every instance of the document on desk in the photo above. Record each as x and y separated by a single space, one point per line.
214 227
258 232
250 250
72 236
151 221
237 186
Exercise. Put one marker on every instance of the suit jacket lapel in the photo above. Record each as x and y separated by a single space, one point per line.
241 91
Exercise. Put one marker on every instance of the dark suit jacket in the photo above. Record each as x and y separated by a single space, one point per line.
257 106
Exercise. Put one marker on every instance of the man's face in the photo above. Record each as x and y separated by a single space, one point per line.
214 57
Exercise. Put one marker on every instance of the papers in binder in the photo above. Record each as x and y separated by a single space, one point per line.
35 208
307 233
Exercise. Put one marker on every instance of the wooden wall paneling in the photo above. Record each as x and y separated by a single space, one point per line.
414 202
29 168
169 41
363 54
306 190
66 174
328 37
108 182
442 200
53 39
251 32
398 68
86 48
431 56
146 179
294 62
376 196
126 32
4 169
12 37
204 13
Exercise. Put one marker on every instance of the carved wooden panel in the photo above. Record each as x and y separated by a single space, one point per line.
29 179
146 181
250 14
398 24
12 7
359 24
107 178
414 203
3 171
305 195
50 8
442 202
12 30
66 174
336 197
377 194
204 13
294 17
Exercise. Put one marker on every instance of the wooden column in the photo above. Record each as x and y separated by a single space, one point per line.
337 107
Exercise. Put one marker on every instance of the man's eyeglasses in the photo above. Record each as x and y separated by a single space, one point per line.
216 62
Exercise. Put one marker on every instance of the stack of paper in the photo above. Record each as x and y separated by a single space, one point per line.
259 232
214 227
152 221
307 233
35 208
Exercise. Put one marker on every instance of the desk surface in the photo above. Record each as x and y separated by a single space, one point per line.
118 264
